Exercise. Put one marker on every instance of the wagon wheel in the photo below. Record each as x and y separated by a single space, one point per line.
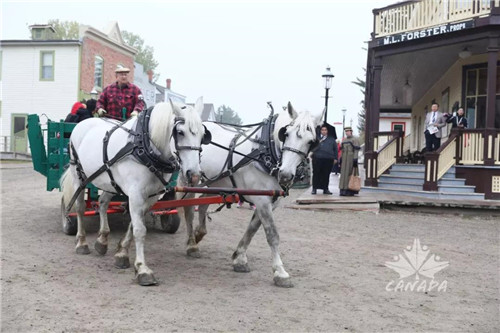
170 223
69 223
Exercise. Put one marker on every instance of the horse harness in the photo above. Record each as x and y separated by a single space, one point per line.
141 147
267 156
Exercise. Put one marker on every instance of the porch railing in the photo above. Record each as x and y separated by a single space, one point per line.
380 159
464 146
415 15
471 148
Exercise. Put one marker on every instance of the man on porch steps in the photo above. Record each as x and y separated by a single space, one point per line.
434 121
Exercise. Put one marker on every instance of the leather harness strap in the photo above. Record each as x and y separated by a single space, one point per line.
141 147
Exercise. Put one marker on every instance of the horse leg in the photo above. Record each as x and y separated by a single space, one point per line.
121 256
201 229
192 248
281 277
240 260
138 208
101 244
81 240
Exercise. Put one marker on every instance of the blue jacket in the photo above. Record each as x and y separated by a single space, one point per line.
327 149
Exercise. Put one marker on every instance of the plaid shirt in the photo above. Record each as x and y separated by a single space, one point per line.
113 99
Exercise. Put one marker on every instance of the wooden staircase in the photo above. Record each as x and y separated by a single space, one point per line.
408 179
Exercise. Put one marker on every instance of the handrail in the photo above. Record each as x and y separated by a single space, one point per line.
378 142
446 158
386 156
379 160
414 15
439 161
406 143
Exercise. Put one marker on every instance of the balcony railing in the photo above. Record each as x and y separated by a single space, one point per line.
416 15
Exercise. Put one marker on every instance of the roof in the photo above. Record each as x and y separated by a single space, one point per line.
23 42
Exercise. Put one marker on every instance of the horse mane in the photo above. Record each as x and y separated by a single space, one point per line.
161 124
304 121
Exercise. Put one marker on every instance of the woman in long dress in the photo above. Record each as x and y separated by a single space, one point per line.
350 149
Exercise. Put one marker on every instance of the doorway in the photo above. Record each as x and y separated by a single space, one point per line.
19 133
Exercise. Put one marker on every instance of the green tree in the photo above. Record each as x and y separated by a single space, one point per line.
227 115
362 113
65 29
145 55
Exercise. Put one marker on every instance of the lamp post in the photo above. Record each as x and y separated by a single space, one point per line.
343 121
328 76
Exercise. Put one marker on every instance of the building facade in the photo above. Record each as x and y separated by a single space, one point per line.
436 51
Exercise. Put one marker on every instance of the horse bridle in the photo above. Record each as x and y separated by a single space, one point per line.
207 138
282 135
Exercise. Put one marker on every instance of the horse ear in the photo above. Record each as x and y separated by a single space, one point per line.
198 106
175 108
207 137
291 111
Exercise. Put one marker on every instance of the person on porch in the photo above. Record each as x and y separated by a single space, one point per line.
458 120
434 121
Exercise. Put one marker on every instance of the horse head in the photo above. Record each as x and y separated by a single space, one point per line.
182 133
297 133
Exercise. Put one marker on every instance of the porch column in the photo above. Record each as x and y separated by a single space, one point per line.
375 106
491 98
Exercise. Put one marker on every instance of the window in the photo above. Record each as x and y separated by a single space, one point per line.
47 66
98 71
398 126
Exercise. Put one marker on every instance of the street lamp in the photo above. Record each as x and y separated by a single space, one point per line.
344 111
93 94
328 76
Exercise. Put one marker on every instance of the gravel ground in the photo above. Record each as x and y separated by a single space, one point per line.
336 259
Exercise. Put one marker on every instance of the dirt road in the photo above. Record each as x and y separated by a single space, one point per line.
337 262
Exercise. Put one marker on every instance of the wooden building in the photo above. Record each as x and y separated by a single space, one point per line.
444 51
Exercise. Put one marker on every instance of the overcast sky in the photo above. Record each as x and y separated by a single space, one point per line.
238 53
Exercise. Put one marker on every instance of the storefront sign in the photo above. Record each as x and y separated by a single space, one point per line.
429 32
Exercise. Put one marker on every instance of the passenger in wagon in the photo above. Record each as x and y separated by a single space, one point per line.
120 100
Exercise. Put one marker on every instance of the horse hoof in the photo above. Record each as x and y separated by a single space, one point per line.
241 268
283 282
100 248
193 252
146 279
122 262
84 249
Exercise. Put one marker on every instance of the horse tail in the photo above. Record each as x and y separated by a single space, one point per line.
66 184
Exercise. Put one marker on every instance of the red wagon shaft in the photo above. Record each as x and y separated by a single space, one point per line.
230 190
225 195
234 198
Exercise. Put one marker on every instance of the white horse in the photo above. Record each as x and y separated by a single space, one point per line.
159 133
297 133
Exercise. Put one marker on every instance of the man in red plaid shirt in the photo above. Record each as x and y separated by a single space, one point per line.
122 99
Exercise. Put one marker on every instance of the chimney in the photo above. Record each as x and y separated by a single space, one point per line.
150 75
169 82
